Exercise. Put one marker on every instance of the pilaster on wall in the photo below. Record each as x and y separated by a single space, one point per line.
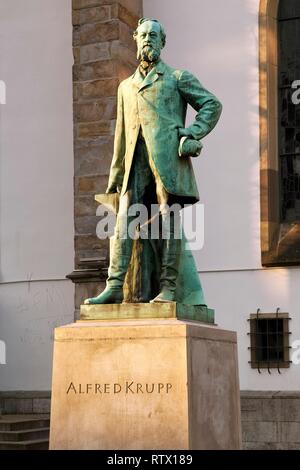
104 55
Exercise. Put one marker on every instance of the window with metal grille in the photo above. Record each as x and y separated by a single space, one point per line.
289 113
269 340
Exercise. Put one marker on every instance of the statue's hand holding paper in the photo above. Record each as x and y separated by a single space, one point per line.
113 189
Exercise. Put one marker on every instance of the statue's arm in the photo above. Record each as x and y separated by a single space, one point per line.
116 174
207 106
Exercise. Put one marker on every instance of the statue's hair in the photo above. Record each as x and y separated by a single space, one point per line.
162 31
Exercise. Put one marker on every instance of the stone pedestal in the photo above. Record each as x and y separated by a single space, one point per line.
145 384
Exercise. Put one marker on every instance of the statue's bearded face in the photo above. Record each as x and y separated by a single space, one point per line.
149 41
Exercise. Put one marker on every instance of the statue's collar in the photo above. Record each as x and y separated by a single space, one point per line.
159 67
152 76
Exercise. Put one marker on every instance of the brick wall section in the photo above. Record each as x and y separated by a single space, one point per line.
271 420
104 55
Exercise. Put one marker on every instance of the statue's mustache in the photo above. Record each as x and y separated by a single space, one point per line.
150 46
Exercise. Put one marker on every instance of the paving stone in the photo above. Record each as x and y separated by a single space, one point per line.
94 129
263 431
98 88
92 15
79 4
290 432
41 405
100 69
94 52
290 409
18 406
99 32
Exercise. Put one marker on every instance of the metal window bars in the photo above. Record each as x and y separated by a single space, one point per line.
269 340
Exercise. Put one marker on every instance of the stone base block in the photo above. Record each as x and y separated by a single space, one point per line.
140 311
145 384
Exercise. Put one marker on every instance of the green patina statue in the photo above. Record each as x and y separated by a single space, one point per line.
152 165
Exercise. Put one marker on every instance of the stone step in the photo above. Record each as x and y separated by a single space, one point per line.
24 435
37 444
13 424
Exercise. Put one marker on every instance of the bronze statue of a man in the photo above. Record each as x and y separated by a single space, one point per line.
151 163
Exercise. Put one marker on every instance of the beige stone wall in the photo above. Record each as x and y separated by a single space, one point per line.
104 55
271 420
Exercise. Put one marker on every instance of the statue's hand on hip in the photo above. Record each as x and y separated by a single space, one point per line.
189 147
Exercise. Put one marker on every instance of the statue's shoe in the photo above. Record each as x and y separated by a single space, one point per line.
108 296
164 296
